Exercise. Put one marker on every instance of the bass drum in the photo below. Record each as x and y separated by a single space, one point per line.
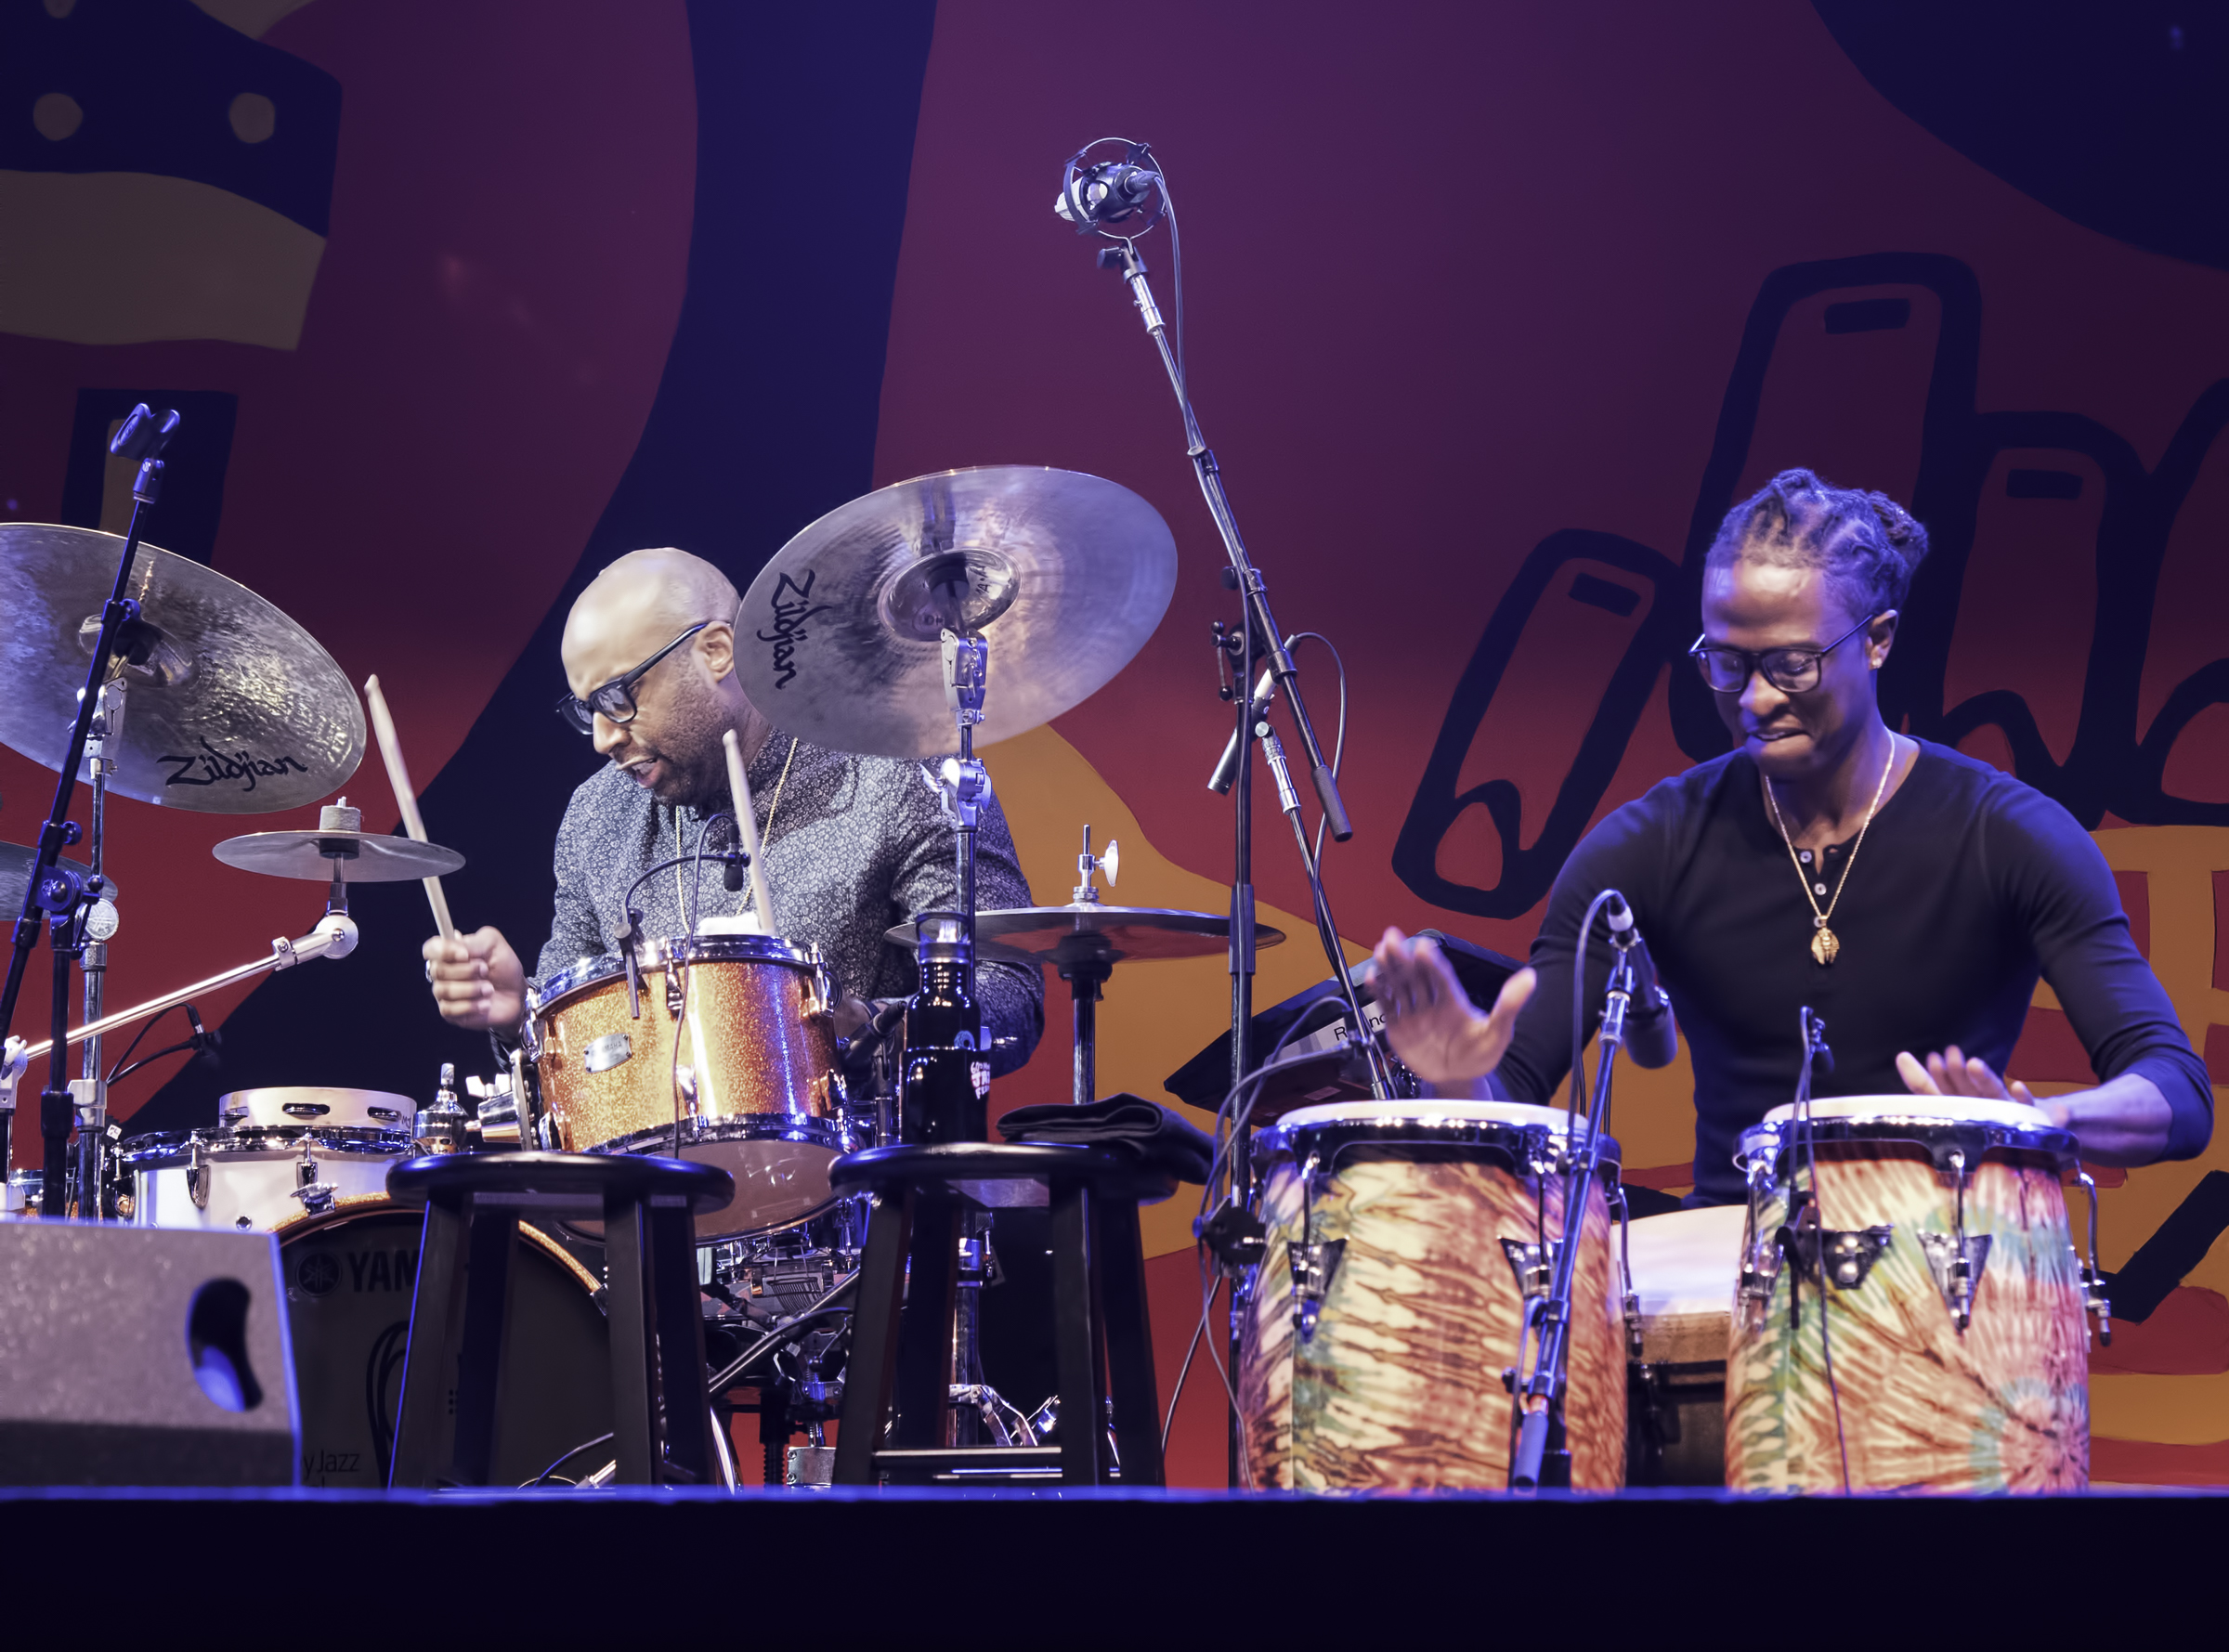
350 1275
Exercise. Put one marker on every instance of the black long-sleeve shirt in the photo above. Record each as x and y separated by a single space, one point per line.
1970 885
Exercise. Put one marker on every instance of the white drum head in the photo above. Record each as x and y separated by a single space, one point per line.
1958 1110
1427 1112
1687 1261
316 1107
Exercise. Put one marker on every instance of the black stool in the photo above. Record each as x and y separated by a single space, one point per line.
902 1333
460 1315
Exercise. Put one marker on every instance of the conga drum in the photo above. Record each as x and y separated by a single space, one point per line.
1940 1285
1391 1299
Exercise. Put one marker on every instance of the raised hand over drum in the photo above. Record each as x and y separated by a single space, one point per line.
1430 1021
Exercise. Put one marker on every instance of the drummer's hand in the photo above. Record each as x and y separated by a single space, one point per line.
477 980
851 1014
1430 1021
1951 1072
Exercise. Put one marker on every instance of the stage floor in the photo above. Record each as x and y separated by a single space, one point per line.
1062 1568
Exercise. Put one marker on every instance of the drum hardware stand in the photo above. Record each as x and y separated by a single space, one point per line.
1542 1454
1085 977
63 895
1955 1258
2092 1276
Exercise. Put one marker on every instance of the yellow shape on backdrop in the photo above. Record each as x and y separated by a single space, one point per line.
131 257
1155 1015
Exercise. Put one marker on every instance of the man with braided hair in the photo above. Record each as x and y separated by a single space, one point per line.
1922 952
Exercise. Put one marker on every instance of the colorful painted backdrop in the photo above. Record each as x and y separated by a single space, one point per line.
1492 310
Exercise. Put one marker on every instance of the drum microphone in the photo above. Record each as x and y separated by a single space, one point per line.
1652 1035
1106 193
1226 771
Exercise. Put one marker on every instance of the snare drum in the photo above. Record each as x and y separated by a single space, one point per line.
751 1085
350 1275
1408 1224
1953 1303
1684 1266
277 1155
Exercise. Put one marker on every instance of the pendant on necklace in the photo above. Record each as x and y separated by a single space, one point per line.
1824 947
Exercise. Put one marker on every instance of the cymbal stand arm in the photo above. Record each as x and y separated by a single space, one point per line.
1542 1454
334 936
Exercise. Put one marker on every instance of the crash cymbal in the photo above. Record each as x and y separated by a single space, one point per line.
1064 575
16 862
1064 936
231 708
377 859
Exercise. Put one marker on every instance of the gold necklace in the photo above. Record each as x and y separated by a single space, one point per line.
680 850
1825 947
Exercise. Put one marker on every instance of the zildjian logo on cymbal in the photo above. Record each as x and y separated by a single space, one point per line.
788 624
217 766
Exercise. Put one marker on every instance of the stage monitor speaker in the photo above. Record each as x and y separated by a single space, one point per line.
143 1356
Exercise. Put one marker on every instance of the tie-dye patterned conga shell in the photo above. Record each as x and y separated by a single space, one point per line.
1398 1386
2003 1406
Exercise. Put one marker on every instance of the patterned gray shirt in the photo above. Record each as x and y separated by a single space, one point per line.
856 844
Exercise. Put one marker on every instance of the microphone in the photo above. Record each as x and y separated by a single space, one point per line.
1651 1036
1226 771
1106 193
204 1042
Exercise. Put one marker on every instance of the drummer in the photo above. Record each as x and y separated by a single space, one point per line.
851 845
1910 895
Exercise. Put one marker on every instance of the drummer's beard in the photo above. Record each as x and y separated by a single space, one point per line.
691 763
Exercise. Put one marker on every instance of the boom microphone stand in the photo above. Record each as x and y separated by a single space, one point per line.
64 896
1091 198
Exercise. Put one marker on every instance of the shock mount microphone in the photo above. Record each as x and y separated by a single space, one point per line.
1652 1035
1226 768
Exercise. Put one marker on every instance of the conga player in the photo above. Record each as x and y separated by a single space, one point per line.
851 845
1910 895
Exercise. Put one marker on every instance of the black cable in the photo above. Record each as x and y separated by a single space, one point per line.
145 1028
733 1374
117 1073
1338 745
544 1478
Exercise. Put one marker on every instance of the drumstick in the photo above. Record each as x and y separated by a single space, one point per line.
747 822
400 778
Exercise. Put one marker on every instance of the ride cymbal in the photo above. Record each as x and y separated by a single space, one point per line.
230 708
1064 575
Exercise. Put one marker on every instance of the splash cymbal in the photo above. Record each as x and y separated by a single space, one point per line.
1066 936
1064 575
372 857
230 708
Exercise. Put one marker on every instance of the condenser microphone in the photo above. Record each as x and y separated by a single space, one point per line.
1106 193
1651 1036
1226 771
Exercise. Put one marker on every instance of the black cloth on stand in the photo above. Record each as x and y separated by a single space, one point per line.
1124 1123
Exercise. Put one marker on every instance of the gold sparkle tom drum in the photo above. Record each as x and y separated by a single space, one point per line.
724 1054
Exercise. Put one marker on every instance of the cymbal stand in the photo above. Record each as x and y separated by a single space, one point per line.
62 895
92 1085
1542 1454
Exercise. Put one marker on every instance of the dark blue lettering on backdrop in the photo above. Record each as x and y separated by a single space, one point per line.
2109 766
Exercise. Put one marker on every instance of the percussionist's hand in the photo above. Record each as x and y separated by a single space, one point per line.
1430 1021
477 980
1952 1073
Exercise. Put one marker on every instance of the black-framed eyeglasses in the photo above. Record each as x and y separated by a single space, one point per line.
615 700
1792 671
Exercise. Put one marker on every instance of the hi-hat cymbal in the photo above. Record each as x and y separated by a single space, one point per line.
230 709
16 862
1064 575
1066 936
378 858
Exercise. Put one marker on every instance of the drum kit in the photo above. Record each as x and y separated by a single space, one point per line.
718 1045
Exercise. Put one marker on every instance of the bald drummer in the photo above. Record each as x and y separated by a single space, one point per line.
850 845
